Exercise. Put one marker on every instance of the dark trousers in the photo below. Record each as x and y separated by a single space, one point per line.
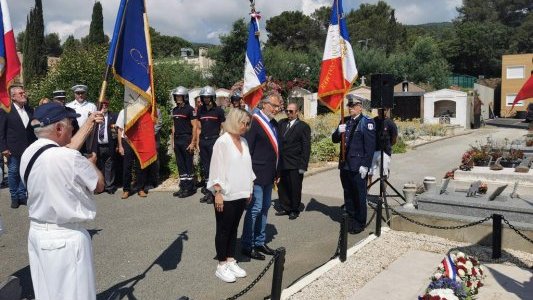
151 173
227 224
206 151
477 121
106 164
184 160
354 196
290 190
130 161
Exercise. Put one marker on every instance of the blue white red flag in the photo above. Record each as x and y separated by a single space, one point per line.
338 71
254 68
9 61
130 56
450 270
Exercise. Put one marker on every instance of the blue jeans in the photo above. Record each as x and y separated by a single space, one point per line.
16 187
354 196
255 221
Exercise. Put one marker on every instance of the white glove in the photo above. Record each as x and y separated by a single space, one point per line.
342 128
363 171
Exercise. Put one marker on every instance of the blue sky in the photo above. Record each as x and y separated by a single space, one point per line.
205 20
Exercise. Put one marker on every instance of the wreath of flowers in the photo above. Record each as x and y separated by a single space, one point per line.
469 278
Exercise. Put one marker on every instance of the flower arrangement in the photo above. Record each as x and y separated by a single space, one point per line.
458 277
482 189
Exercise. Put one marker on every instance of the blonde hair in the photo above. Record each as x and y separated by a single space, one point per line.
234 119
44 101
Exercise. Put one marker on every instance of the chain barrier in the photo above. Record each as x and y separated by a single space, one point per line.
440 227
516 230
251 285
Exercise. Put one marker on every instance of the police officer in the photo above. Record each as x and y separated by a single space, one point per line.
184 125
210 119
360 142
237 101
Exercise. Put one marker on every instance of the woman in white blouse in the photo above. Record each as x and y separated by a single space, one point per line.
231 180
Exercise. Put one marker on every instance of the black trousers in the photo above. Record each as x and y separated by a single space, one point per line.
130 161
184 160
106 164
227 225
206 151
290 190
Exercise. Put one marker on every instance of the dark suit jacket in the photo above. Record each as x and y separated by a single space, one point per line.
295 145
360 143
263 155
13 136
111 119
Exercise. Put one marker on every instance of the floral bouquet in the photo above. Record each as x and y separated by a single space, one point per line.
459 276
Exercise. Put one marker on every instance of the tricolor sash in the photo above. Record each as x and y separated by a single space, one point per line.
272 136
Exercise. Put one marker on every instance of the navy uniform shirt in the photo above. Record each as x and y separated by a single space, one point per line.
390 131
211 121
182 117
360 139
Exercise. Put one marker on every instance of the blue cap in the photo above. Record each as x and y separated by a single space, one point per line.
52 112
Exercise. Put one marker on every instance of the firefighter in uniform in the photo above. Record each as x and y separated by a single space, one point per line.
183 140
360 142
210 119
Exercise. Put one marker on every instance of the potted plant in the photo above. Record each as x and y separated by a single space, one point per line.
512 159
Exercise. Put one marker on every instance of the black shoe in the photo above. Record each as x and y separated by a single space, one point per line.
282 213
356 230
205 191
111 192
253 254
265 249
204 199
187 193
15 205
293 216
210 198
23 201
178 193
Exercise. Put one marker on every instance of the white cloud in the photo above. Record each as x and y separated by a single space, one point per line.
309 6
77 28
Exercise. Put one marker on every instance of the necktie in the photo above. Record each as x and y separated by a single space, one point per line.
101 131
287 129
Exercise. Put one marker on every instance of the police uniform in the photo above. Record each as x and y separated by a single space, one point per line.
182 117
83 108
360 141
211 121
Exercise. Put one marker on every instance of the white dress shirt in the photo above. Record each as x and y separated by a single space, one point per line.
231 169
105 139
23 115
60 185
121 123
83 109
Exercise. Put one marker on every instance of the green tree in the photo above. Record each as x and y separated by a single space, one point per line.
53 45
293 30
522 40
96 31
375 25
34 61
71 43
20 41
165 46
229 56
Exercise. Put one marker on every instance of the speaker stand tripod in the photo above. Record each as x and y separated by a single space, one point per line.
382 198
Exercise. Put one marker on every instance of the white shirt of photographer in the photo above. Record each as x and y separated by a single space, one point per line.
60 188
231 169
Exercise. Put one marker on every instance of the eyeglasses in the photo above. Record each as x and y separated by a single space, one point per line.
79 93
274 105
289 111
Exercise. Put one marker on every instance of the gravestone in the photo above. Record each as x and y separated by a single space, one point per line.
524 166
497 166
497 192
444 186
474 188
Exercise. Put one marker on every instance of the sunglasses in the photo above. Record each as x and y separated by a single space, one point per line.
79 93
289 111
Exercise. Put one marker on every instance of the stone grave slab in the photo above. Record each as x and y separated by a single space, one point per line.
456 203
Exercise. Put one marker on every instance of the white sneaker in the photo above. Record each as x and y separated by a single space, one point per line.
224 273
236 270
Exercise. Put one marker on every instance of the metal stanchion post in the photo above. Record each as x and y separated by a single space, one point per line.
378 216
496 236
277 276
344 238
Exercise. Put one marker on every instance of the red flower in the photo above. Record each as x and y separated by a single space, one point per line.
468 283
462 259
474 273
474 261
479 284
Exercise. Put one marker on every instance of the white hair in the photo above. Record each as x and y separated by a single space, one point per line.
46 131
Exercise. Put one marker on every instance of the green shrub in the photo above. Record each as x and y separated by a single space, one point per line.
324 150
400 146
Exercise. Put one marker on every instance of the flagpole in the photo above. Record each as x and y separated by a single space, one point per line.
150 63
343 135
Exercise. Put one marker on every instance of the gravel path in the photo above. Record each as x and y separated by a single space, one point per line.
344 279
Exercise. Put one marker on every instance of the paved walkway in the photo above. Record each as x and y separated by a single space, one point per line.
162 247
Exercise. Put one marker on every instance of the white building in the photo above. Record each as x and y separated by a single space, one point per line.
447 106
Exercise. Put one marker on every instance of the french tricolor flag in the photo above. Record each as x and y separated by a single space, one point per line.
254 68
338 71
450 270
9 61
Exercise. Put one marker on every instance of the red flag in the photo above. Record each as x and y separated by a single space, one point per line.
9 61
140 137
525 92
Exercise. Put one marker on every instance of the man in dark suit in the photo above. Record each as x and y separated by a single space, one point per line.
360 142
295 148
16 135
106 148
262 141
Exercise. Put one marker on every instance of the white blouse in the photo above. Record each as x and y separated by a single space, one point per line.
231 169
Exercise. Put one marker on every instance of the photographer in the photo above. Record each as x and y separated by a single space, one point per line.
387 135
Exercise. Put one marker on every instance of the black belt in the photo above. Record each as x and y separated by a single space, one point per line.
183 134
209 137
103 145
